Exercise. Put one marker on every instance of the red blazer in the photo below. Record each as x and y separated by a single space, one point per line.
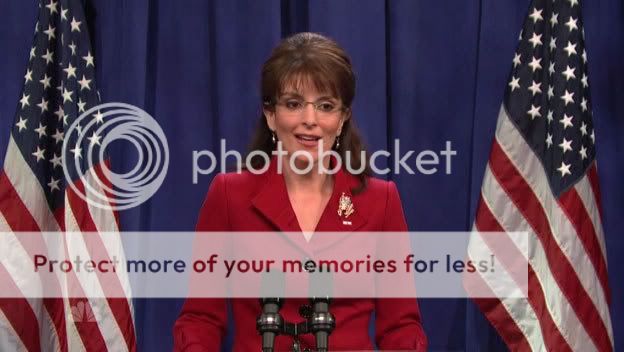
248 202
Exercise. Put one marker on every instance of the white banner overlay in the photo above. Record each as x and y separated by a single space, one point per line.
267 264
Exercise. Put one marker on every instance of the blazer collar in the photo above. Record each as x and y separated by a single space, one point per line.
273 203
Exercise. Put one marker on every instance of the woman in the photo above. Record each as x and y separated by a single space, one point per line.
307 87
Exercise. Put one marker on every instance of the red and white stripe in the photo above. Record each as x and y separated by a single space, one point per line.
47 324
567 307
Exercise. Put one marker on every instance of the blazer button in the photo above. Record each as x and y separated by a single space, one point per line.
305 260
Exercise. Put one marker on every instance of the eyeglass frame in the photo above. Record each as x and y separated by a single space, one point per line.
315 105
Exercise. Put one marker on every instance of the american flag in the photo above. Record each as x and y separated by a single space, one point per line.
59 85
541 178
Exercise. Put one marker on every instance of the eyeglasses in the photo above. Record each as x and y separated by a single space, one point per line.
324 108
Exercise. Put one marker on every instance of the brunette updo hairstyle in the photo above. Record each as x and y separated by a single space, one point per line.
310 59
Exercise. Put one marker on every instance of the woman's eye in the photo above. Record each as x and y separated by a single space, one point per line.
326 107
293 104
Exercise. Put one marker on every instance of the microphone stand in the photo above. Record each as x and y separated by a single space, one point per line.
320 323
270 323
318 320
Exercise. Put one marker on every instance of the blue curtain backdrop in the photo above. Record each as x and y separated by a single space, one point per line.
428 71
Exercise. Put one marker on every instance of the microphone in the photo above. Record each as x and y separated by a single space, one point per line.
322 322
269 324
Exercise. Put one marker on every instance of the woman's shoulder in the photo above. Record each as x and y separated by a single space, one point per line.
378 183
380 204
237 184
240 178
377 188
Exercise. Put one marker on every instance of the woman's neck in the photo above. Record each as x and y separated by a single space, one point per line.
311 182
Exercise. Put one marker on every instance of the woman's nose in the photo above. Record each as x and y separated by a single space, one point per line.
309 114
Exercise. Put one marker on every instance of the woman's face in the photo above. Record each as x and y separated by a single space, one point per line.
304 118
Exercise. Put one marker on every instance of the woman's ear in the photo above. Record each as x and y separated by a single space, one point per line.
345 116
270 118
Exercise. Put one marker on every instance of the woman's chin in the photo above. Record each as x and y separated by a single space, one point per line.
303 162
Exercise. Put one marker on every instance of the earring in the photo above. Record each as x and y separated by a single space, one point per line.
273 137
337 141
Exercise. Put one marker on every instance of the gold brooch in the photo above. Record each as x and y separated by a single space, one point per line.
345 205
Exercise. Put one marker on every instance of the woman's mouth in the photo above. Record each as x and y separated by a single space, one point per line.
307 140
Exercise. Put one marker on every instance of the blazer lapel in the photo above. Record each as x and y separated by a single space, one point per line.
273 203
331 221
